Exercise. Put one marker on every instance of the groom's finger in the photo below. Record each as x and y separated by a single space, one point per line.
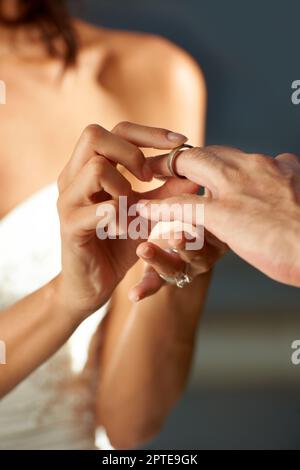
205 166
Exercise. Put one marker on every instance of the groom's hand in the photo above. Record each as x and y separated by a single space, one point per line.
253 204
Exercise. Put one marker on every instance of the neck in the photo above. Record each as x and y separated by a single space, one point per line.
25 43
21 41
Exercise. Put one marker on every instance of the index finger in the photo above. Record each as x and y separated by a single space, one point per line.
97 141
120 146
149 137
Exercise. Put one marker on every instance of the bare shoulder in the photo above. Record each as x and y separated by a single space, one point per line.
142 60
154 61
153 81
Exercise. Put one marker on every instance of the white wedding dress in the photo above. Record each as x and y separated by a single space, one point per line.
52 408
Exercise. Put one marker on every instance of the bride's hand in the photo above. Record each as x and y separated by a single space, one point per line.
170 258
91 268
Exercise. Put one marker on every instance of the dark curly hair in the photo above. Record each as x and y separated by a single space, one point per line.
54 22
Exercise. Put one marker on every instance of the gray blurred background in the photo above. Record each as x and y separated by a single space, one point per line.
244 391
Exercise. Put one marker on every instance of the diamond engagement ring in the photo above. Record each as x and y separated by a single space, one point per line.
181 279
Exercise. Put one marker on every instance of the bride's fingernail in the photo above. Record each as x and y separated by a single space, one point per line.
147 172
175 137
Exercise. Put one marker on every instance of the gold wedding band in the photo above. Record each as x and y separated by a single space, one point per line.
171 160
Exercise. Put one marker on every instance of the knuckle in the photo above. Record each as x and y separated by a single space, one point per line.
260 159
287 173
97 166
290 157
214 149
198 152
286 155
92 132
289 187
233 174
137 155
122 127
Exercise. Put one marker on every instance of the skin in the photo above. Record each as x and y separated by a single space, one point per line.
253 205
119 77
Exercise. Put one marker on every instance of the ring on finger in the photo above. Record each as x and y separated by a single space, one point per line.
180 280
172 159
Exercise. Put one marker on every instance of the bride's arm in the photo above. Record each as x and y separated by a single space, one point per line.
147 347
146 359
32 330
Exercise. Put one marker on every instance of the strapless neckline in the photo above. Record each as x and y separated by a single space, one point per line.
27 200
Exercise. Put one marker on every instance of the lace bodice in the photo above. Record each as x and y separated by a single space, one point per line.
52 408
